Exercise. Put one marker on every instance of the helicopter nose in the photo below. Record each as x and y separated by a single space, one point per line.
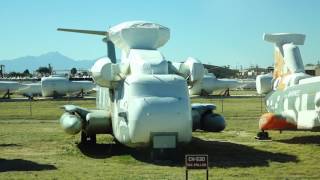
149 115
270 121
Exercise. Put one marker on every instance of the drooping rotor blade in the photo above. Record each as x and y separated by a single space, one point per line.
110 45
111 50
101 33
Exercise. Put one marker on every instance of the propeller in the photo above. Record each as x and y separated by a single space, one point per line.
110 45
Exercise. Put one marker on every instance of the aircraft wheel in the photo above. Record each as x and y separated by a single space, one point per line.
263 136
55 95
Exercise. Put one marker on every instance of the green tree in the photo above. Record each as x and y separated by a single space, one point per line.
43 70
85 73
26 73
13 74
73 71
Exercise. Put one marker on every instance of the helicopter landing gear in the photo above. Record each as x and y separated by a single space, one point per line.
6 95
263 136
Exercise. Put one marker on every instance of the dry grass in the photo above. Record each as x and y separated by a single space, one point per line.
35 147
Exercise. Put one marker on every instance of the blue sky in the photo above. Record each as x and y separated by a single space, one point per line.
220 32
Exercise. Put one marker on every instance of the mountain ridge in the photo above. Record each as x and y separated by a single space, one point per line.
57 60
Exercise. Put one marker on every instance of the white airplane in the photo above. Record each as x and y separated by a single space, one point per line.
210 84
9 87
142 100
248 84
30 90
56 86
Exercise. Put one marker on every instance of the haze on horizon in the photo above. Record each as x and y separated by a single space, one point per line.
219 32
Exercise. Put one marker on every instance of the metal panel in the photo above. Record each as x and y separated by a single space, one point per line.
161 141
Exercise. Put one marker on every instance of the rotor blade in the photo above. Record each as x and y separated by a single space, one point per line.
101 33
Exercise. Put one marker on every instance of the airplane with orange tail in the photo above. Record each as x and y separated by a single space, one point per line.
292 96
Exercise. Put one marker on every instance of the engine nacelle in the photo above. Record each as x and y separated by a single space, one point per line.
264 83
107 74
192 69
204 119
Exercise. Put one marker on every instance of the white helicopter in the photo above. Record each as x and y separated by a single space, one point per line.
143 101
292 96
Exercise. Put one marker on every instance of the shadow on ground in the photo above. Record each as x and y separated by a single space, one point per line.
315 139
219 97
23 165
221 154
9 145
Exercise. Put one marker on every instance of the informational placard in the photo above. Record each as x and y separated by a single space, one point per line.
196 161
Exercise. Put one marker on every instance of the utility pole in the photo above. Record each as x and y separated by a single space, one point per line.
2 70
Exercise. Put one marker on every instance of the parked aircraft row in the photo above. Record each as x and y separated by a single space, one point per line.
58 85
52 86
144 101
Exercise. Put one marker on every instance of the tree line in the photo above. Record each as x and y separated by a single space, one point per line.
43 71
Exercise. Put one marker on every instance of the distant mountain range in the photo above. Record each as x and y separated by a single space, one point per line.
57 60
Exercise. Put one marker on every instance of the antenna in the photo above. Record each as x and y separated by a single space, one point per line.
2 70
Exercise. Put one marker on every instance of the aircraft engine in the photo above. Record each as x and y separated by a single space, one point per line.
204 119
71 123
106 73
264 83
